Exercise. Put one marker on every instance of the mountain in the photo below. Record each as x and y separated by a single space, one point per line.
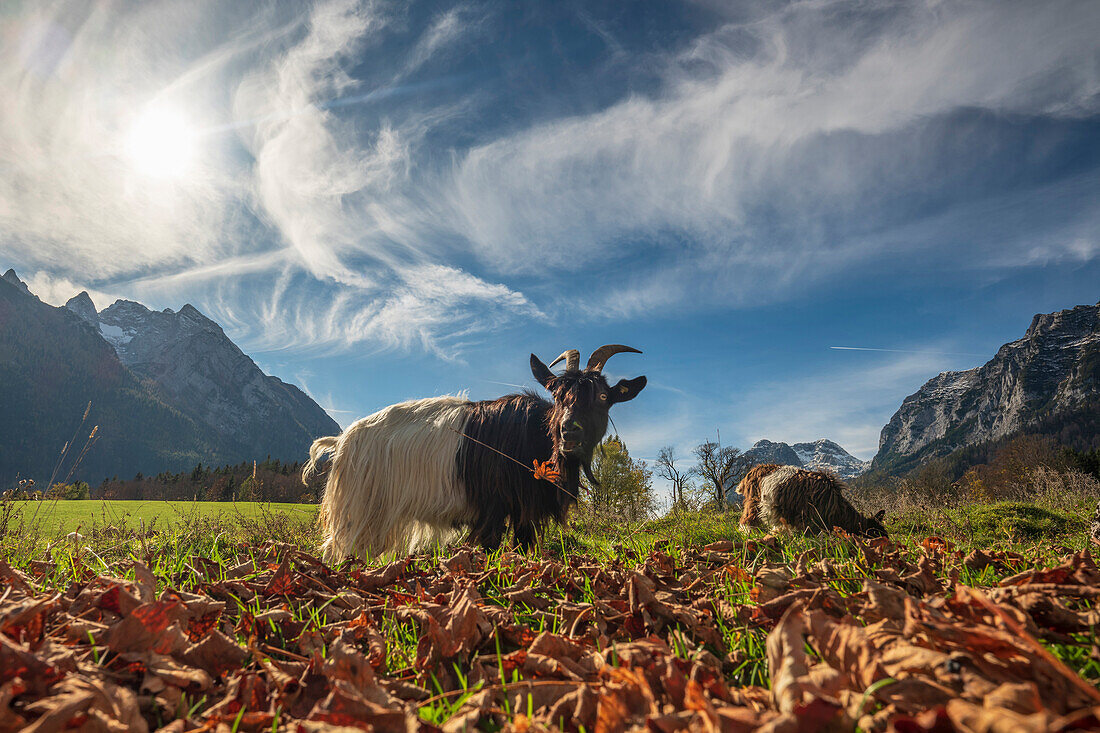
167 389
201 372
765 451
1040 383
12 279
51 366
825 454
821 454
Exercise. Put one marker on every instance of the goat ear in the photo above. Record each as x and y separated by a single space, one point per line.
542 373
880 515
627 389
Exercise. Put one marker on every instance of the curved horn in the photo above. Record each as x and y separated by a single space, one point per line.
601 355
572 359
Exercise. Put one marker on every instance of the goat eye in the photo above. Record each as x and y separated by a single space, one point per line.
603 397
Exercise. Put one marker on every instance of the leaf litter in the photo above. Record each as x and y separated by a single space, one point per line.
725 638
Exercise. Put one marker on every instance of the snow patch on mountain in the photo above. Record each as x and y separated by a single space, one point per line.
822 454
115 336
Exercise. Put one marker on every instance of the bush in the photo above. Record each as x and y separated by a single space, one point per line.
72 492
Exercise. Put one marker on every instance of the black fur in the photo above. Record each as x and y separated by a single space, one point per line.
526 428
506 491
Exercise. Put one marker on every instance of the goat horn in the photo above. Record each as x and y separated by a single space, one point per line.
601 355
572 359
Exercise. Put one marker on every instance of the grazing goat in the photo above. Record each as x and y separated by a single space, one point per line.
420 470
798 499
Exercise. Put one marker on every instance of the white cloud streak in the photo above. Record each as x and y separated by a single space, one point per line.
725 163
447 28
762 161
335 195
68 199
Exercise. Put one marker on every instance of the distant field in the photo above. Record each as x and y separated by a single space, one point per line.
67 516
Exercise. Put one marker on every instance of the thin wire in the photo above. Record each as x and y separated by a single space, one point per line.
513 460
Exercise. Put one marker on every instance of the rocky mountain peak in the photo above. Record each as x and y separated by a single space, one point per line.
766 451
193 393
821 454
1081 319
12 278
82 305
1053 369
187 354
824 454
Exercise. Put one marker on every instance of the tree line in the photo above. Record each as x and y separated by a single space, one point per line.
625 485
268 480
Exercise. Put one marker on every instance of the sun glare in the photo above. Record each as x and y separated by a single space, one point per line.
161 143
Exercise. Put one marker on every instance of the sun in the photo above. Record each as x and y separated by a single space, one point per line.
161 143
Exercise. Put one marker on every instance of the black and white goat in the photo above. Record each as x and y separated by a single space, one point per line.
420 470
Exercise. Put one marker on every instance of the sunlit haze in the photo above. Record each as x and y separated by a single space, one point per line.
161 143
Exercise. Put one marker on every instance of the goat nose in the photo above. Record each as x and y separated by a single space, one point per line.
571 428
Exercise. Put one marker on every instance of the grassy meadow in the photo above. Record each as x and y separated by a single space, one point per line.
1005 525
602 626
63 517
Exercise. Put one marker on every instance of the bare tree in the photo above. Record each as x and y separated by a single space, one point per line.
668 470
717 466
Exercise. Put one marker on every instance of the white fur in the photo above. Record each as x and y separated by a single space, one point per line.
768 486
393 485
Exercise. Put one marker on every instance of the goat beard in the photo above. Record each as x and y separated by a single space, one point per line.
569 472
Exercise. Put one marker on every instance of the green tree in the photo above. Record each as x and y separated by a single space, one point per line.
77 490
625 486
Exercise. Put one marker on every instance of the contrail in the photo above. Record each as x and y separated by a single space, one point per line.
906 351
506 384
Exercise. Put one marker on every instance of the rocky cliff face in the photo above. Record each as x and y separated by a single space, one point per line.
201 372
765 451
58 381
822 454
167 390
1054 369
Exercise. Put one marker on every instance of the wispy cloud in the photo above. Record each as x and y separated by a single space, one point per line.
777 151
288 181
68 200
457 23
346 196
57 290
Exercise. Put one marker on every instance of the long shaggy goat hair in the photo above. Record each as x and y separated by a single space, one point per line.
422 470
393 482
798 499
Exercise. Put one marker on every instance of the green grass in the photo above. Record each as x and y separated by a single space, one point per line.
62 517
996 525
999 525
165 534
173 538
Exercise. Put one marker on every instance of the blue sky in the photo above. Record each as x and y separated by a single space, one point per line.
381 201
